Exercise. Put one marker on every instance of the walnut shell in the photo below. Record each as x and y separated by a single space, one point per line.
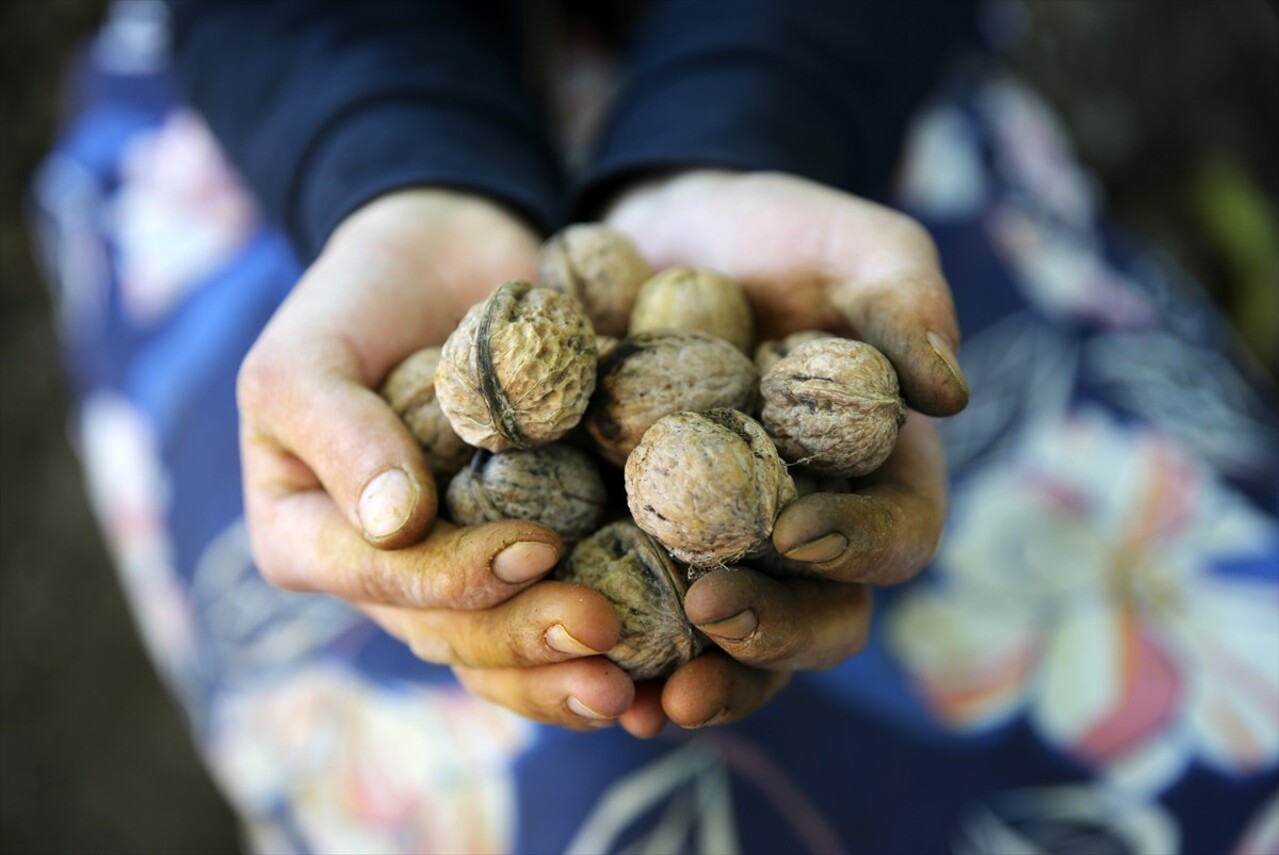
410 391
709 486
646 589
654 374
600 267
604 345
769 352
694 299
554 485
833 405
519 369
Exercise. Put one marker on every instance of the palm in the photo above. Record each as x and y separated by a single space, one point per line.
802 252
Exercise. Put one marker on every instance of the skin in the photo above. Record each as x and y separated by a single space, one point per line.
398 275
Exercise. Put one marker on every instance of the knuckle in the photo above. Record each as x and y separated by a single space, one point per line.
436 587
773 644
258 381
275 568
875 560
285 575
433 649
910 232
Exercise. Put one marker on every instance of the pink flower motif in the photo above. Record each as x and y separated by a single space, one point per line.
1064 274
1082 584
361 767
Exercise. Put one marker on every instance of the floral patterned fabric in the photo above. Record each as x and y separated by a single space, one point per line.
1090 665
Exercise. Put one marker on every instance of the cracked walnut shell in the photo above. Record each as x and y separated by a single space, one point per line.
555 485
709 486
654 374
600 267
519 369
833 405
646 589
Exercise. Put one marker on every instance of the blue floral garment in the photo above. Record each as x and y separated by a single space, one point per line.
1091 663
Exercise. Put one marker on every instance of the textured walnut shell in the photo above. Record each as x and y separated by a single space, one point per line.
554 485
833 405
600 267
691 299
709 486
519 369
646 589
654 374
410 391
769 352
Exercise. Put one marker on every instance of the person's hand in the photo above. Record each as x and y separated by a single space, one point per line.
339 500
809 257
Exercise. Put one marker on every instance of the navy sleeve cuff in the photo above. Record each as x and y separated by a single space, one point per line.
816 88
385 145
324 106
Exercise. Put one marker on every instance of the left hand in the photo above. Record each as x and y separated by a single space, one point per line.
809 257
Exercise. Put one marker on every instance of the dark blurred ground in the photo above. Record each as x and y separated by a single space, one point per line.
1171 103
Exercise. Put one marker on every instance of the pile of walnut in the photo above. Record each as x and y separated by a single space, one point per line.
543 390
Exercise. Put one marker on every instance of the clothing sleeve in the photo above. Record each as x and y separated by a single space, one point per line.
325 105
816 88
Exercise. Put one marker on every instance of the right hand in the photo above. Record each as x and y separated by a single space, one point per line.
339 500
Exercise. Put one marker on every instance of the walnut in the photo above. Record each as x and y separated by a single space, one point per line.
709 486
554 485
833 405
519 369
410 391
646 589
600 267
604 345
768 353
654 374
692 299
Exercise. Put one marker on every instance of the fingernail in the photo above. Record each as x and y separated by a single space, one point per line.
708 722
736 628
386 503
560 639
586 712
828 547
521 562
947 354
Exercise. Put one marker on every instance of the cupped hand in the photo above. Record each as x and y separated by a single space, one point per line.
809 257
339 500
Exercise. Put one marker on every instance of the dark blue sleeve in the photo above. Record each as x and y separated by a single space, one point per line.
816 88
325 105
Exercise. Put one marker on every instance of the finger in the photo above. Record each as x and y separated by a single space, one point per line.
547 623
906 311
713 689
645 718
305 402
884 533
583 694
302 543
788 625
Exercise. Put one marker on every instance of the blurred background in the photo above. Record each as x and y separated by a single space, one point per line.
1171 104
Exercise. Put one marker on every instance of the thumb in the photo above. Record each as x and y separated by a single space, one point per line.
345 436
911 320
